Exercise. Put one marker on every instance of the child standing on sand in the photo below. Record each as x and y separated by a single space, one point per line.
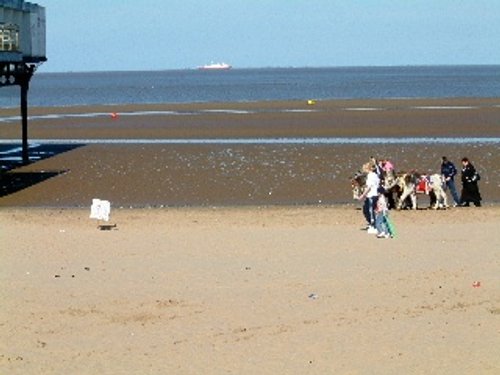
381 212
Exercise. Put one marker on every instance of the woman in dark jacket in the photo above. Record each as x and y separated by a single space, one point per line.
470 190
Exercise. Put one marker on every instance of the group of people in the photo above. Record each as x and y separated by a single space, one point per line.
375 208
470 177
375 205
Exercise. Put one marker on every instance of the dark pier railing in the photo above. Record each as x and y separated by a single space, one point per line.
20 74
22 49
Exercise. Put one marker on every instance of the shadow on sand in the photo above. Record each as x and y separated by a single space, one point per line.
107 227
12 181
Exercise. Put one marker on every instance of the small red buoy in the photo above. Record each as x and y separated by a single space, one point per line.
114 115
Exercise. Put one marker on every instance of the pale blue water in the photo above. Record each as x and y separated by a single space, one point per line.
187 86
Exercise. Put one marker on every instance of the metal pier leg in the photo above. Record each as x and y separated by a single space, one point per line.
24 120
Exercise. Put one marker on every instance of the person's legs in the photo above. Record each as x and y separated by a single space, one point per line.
379 219
380 224
464 197
369 213
453 190
372 204
366 210
475 196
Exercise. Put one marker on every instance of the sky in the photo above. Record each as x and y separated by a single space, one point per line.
110 35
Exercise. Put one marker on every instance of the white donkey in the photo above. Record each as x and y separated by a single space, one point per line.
437 185
411 184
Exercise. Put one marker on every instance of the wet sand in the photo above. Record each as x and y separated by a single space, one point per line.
141 175
336 118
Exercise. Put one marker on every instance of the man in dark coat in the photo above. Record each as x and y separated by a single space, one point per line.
449 171
470 190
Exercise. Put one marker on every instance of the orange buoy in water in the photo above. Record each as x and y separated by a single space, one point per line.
114 115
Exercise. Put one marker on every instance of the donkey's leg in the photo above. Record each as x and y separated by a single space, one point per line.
403 197
445 198
414 200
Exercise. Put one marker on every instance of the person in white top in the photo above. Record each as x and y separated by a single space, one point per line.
370 196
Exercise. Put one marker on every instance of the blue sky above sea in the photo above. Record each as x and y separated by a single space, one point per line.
183 34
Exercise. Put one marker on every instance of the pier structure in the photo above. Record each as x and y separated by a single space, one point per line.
22 50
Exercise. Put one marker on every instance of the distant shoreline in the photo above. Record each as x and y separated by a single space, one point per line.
264 173
276 68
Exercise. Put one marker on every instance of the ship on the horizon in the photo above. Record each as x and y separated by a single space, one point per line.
215 66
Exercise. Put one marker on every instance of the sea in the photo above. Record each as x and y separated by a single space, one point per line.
263 84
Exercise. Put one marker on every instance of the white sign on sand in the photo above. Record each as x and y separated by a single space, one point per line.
100 209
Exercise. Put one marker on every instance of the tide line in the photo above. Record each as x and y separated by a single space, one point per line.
444 107
51 116
267 141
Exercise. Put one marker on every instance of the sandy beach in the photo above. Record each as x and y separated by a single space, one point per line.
275 290
246 258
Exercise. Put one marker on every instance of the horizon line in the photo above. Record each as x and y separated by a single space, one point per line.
273 67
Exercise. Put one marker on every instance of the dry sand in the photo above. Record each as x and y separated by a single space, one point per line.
283 290
256 264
